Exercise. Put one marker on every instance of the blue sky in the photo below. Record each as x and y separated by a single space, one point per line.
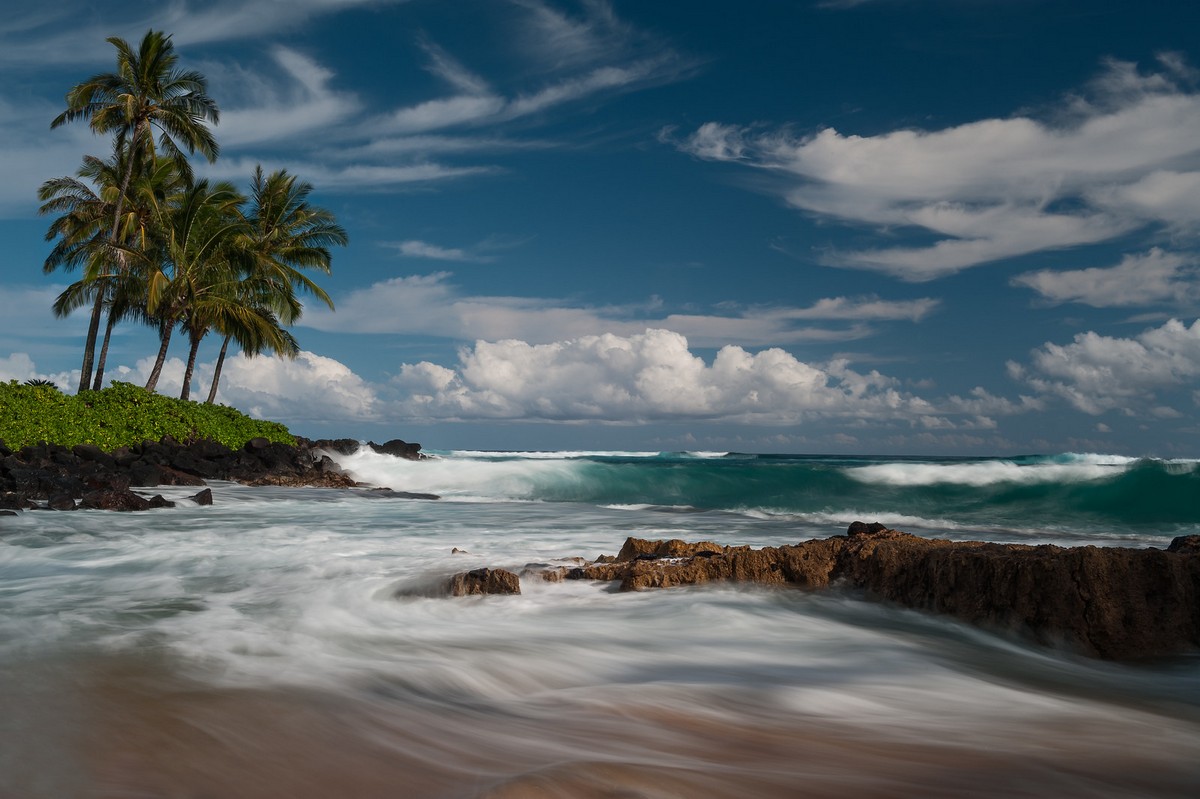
867 226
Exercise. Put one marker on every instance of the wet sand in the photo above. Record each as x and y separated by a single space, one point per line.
121 729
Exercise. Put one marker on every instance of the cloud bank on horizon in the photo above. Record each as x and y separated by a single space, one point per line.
640 255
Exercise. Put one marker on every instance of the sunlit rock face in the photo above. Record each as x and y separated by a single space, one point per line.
1106 602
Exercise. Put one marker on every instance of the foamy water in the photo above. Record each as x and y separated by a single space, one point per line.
278 643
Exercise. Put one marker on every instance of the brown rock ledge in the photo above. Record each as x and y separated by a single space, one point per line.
1106 602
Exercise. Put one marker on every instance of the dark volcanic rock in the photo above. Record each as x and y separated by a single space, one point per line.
204 497
1105 602
399 449
483 581
61 502
115 500
342 446
40 471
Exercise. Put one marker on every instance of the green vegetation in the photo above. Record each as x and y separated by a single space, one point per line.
122 415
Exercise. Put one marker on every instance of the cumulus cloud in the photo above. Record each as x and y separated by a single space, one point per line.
432 305
311 388
654 376
644 377
1096 373
1154 277
1118 158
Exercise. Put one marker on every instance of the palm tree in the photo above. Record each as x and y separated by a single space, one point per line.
145 94
85 215
265 334
203 253
287 235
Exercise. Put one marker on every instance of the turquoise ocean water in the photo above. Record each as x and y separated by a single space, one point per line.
277 643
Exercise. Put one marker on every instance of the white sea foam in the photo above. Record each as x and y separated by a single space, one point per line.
983 473
462 476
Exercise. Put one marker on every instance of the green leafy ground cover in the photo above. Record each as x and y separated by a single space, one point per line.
122 415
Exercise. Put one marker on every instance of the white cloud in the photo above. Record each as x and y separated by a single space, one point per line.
70 34
995 188
414 248
269 112
650 376
1155 277
311 388
431 305
299 109
1096 373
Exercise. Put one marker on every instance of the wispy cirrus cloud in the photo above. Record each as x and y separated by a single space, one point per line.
433 305
1111 160
1152 278
284 106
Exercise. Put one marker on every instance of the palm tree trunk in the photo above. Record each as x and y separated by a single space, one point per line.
164 336
212 392
191 365
89 344
108 329
94 328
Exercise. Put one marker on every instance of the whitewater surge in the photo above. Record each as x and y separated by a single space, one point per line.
282 641
1068 498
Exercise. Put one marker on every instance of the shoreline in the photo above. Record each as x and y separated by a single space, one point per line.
54 477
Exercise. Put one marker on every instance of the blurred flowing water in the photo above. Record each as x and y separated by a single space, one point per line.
277 643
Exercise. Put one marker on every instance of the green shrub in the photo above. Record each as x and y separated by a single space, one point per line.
122 415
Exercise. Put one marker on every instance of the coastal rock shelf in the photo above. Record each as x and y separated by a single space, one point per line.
1105 602
49 476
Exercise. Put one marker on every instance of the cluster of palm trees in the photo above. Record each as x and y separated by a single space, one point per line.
155 245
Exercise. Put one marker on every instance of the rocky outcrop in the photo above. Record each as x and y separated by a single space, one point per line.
398 449
1106 602
483 581
48 475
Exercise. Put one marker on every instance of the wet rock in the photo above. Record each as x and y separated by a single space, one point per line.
1185 544
61 502
1112 603
115 500
483 581
158 501
398 449
340 446
635 548
204 497
39 471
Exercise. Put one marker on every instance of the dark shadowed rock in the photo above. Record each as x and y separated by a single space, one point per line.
483 581
340 446
159 501
1185 544
204 497
115 500
398 449
61 502
39 471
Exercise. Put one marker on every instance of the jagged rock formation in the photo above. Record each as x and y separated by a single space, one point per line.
483 581
1105 602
